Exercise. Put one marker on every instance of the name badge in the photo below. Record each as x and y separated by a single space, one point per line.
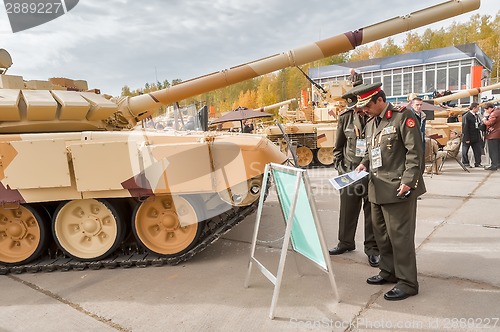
360 147
388 130
376 161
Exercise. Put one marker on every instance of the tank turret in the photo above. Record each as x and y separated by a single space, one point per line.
74 177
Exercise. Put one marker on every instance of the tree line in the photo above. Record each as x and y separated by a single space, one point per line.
287 83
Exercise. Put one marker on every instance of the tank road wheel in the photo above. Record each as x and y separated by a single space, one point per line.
23 234
304 156
325 156
87 229
167 225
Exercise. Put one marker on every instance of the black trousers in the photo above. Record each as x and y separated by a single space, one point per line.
494 150
476 149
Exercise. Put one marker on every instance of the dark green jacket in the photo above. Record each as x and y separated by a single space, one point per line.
349 128
400 141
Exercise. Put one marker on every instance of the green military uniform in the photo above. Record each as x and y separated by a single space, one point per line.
350 128
398 142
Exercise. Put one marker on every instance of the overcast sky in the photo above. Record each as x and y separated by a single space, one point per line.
114 43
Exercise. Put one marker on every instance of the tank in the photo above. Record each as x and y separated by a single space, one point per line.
312 128
79 188
439 128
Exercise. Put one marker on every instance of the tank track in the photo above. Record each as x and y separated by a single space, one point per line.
130 256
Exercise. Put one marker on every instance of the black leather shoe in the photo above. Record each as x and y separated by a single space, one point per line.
339 250
490 168
478 165
377 280
373 260
396 294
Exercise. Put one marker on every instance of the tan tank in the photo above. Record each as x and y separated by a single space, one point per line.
311 128
74 177
439 127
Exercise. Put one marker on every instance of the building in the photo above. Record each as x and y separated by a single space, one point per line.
451 68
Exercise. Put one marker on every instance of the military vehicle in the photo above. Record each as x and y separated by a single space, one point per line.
438 127
311 129
74 177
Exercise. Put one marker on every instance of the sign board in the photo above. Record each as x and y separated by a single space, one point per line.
302 225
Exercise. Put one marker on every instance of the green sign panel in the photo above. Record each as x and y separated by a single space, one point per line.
304 234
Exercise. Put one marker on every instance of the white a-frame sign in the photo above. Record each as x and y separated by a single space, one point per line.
302 226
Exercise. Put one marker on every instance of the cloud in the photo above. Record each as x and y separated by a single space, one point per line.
123 42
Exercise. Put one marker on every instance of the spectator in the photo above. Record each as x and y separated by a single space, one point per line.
471 136
248 127
450 150
452 117
416 106
492 123
355 78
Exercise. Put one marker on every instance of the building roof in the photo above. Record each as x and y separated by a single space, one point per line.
451 53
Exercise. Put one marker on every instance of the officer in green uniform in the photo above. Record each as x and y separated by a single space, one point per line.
350 147
395 159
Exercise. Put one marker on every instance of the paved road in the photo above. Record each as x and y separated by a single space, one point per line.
458 256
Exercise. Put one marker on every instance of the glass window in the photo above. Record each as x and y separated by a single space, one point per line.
430 81
387 72
465 62
376 74
418 68
387 85
397 71
377 79
464 73
407 70
407 84
453 64
441 79
396 85
433 66
453 79
418 82
442 65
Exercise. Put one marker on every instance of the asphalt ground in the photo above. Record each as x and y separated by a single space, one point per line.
458 257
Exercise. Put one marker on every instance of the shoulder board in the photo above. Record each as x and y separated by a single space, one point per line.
400 108
347 110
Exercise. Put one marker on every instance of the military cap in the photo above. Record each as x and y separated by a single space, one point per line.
365 92
350 98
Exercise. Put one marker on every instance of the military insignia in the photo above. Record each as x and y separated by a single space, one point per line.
388 114
410 123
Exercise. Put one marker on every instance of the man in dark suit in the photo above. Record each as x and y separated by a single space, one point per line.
355 78
471 136
350 147
395 160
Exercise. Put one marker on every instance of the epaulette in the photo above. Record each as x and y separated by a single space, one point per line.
399 108
345 111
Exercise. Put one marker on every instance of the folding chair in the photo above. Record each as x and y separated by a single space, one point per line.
456 158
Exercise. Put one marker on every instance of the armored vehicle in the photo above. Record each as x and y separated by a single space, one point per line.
438 127
75 177
311 129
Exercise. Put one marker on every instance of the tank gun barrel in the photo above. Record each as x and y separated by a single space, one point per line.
273 106
139 107
465 93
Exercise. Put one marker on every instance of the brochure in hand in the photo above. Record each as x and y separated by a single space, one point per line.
347 179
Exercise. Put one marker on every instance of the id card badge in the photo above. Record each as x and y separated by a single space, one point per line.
360 147
376 161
